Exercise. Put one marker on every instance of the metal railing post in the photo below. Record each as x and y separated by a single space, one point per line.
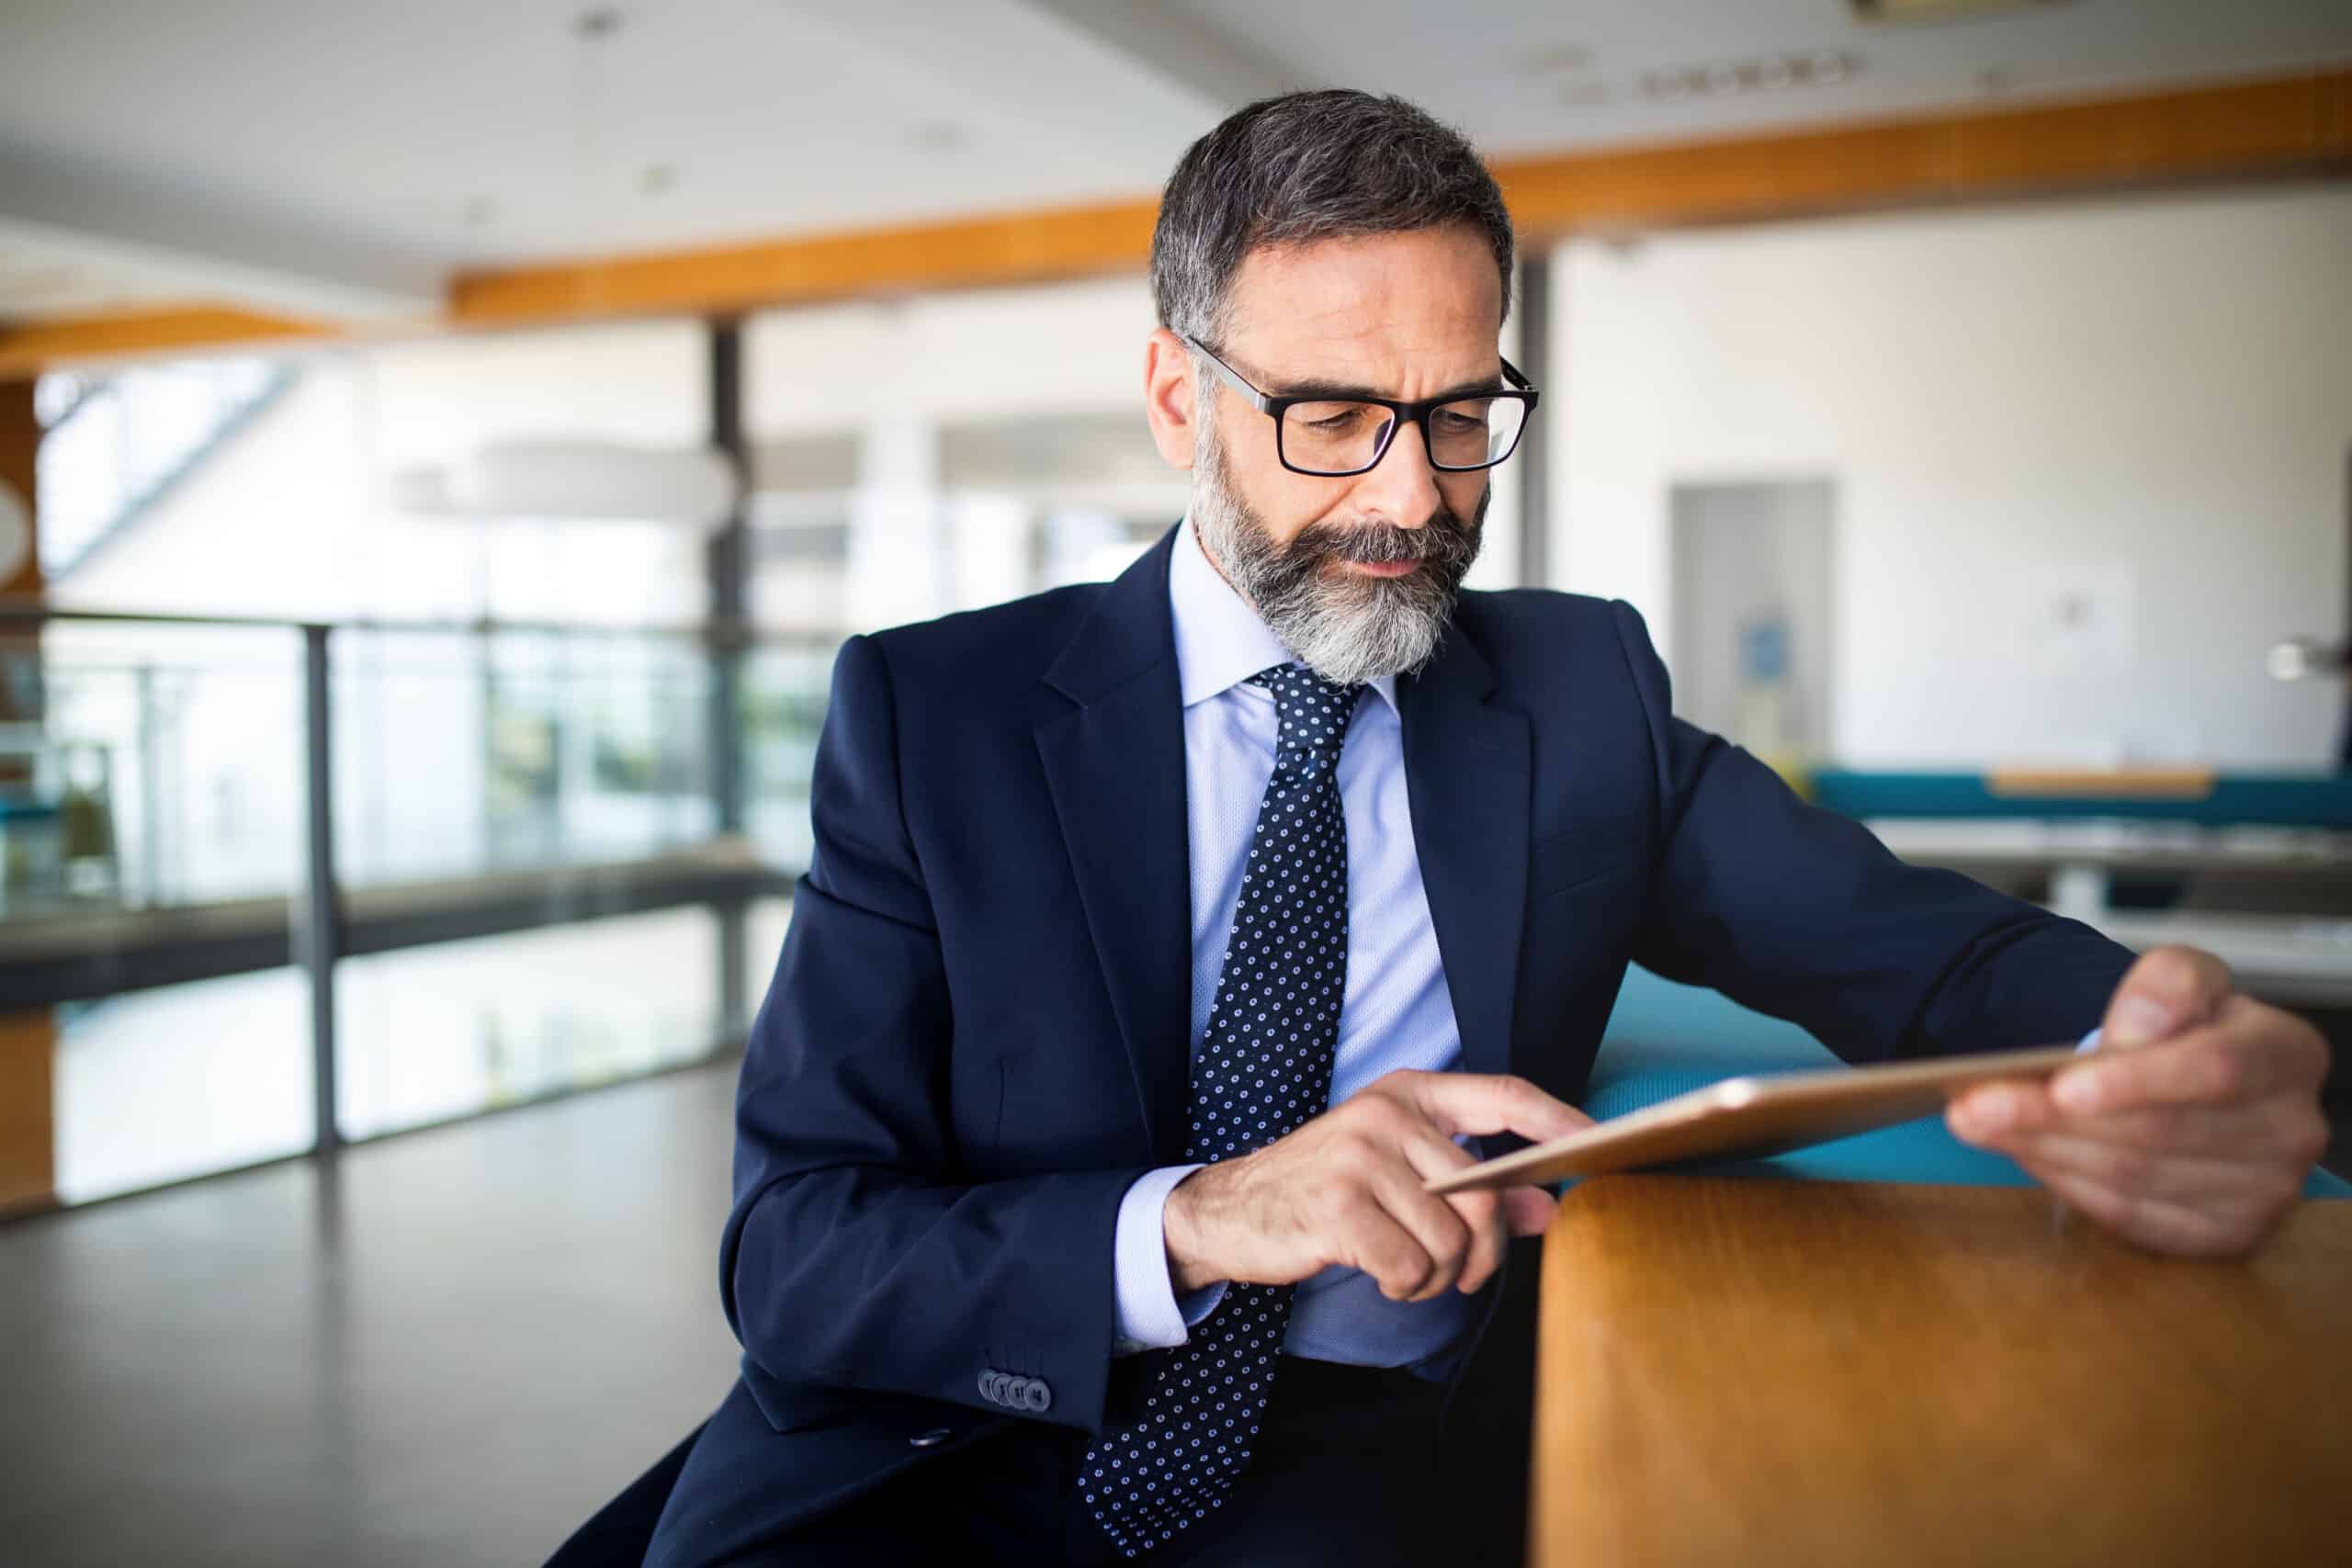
318 931
728 563
1535 446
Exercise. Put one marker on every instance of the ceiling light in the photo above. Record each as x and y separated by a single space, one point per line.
937 136
1544 62
585 479
1941 10
1763 74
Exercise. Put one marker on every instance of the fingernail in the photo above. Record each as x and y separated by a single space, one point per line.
2078 1091
2137 1021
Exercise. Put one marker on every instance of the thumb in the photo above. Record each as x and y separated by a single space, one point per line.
2169 989
1528 1210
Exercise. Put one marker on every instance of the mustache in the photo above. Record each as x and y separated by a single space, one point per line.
1444 540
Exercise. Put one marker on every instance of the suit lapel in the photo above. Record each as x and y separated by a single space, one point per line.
1114 764
1466 776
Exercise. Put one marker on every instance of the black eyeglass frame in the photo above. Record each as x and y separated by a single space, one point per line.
1521 390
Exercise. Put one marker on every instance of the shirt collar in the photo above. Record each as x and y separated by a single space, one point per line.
1220 640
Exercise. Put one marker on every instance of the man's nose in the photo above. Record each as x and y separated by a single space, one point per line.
1402 489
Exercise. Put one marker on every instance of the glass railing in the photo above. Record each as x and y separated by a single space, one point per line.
534 881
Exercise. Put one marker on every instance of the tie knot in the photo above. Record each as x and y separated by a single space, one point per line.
1311 715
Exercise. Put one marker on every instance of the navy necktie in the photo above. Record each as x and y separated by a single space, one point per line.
1264 1068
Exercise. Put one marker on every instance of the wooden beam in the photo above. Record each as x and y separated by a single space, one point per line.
2284 125
2299 123
26 348
957 253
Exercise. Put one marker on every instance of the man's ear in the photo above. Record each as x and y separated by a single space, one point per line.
1168 399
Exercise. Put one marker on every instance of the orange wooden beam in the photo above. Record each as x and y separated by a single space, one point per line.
2284 125
28 347
956 254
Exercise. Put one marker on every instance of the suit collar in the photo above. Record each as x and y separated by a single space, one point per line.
1127 632
1114 767
1466 776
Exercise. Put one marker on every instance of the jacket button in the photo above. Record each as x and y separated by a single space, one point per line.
1015 1393
1037 1396
988 1385
927 1440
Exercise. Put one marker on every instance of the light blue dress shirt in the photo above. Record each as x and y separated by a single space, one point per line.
1397 1011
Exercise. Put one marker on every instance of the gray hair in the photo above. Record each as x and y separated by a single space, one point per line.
1309 166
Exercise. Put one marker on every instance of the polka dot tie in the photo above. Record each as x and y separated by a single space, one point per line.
1264 1068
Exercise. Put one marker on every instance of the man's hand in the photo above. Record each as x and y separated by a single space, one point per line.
1346 1189
2190 1130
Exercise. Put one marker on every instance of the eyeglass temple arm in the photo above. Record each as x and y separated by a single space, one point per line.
1229 376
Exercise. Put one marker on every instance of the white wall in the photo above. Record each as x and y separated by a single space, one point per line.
2145 403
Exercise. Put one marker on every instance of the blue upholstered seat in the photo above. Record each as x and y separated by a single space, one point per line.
1663 1038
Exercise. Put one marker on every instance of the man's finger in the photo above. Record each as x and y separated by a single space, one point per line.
1991 1112
1528 1211
1483 1103
2000 1114
2169 989
2163 1224
2202 1179
1442 1231
1380 1246
2249 1052
1432 1155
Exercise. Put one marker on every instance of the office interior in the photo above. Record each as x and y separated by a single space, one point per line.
442 447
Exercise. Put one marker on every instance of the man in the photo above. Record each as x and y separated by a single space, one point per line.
1163 937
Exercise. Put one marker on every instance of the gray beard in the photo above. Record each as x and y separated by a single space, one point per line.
1347 629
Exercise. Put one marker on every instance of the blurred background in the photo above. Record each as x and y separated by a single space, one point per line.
441 446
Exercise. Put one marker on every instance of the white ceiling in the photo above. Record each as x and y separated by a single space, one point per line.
318 155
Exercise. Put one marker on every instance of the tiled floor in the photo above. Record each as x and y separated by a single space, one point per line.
449 1353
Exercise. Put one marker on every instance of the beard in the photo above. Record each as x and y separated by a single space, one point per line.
1347 627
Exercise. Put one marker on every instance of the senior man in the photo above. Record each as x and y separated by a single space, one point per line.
1162 937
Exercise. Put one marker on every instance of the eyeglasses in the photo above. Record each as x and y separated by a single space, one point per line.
1336 432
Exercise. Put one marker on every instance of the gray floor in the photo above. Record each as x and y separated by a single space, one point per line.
450 1353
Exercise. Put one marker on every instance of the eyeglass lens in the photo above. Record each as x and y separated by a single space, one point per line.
1342 437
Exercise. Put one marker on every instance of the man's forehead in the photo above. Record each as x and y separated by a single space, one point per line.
1424 303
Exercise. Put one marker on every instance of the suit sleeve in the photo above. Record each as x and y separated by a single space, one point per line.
1802 914
857 1255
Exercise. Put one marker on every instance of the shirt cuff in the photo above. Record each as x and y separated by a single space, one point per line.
2090 1042
1148 1317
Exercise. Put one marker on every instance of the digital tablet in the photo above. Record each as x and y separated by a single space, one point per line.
1748 1117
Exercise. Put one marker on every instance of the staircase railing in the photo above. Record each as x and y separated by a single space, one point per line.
117 445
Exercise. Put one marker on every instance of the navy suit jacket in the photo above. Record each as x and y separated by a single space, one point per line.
977 1034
